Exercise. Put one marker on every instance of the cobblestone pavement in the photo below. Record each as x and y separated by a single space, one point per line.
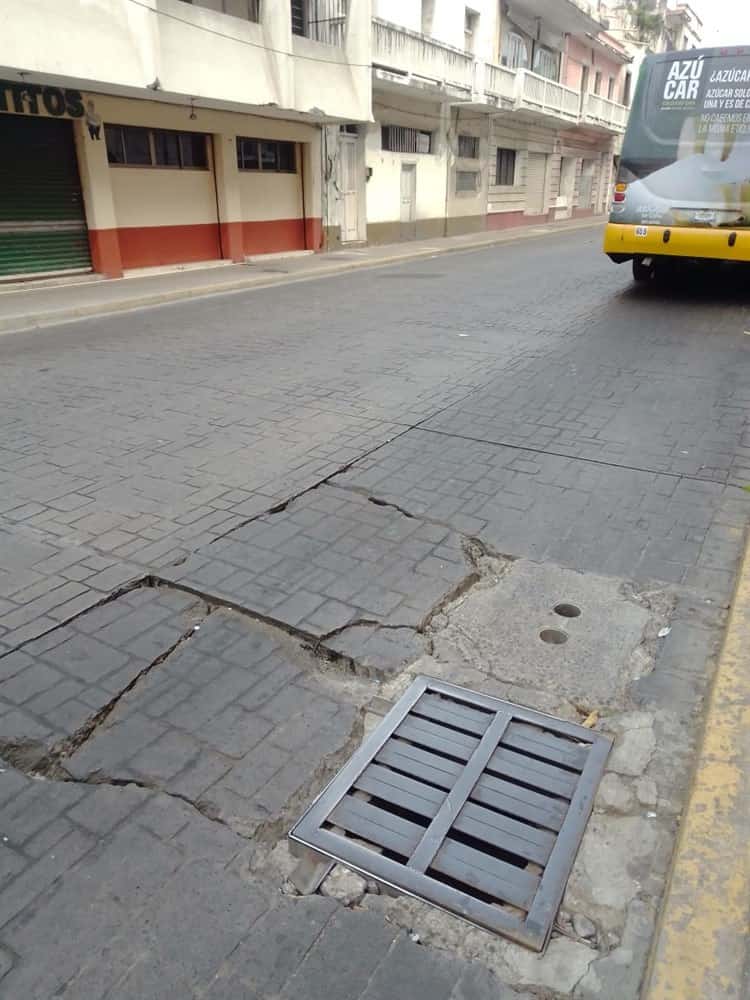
228 527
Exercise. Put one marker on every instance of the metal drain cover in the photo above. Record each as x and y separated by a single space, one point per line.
467 802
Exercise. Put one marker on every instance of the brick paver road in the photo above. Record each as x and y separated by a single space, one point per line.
220 520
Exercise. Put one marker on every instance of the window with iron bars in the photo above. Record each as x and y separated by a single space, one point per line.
321 20
398 139
505 167
468 147
248 10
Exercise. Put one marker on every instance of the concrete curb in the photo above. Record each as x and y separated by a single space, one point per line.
36 321
703 938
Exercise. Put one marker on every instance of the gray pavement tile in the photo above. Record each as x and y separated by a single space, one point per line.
58 682
561 521
323 588
242 737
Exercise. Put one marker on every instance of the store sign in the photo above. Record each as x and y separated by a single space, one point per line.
34 99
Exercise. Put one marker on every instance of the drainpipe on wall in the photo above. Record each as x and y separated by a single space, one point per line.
302 186
324 221
448 158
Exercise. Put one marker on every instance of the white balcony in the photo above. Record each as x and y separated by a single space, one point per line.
600 112
500 83
547 97
407 57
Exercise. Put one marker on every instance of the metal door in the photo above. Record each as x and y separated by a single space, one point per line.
349 188
408 201
586 186
536 184
42 220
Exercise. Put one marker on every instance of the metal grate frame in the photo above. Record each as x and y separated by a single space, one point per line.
468 802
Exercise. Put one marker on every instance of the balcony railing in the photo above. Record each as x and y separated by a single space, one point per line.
500 82
537 93
420 58
601 111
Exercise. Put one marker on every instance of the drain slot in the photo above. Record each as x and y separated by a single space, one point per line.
468 802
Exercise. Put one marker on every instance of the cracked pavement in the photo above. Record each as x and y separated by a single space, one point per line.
227 543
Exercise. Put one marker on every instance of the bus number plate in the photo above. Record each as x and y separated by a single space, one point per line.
641 230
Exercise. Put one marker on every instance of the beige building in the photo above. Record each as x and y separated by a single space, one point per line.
138 133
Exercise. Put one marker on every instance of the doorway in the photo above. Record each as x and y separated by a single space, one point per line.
349 188
536 184
408 217
567 187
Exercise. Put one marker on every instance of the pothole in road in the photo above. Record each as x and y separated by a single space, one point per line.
553 636
567 610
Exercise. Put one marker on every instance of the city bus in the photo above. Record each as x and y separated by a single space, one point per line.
682 191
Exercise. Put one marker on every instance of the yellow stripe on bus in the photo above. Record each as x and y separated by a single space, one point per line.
713 244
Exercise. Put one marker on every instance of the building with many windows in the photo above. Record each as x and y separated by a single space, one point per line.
489 115
138 133
143 133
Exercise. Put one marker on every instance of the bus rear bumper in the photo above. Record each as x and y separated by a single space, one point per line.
622 242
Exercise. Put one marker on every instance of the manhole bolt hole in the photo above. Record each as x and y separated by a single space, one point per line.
567 610
554 636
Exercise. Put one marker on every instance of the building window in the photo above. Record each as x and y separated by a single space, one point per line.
130 146
321 20
248 10
266 154
471 23
598 82
468 147
515 51
505 167
611 89
398 139
467 180
546 62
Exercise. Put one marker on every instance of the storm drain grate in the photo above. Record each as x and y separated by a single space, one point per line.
467 802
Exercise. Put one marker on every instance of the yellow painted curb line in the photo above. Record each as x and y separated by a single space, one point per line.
704 934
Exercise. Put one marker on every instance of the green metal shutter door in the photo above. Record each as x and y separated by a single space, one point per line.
42 220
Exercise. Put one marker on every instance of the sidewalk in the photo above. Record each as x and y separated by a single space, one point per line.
32 305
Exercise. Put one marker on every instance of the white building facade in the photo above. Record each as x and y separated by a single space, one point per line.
488 115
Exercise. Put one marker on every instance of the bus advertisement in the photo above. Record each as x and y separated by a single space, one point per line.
683 184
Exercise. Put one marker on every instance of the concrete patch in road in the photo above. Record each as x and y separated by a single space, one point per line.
489 639
603 640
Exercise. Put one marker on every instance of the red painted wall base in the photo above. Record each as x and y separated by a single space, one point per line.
152 246
105 252
273 236
113 250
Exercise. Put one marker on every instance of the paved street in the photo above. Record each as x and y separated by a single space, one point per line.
228 525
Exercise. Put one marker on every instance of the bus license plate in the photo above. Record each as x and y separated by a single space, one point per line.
641 230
